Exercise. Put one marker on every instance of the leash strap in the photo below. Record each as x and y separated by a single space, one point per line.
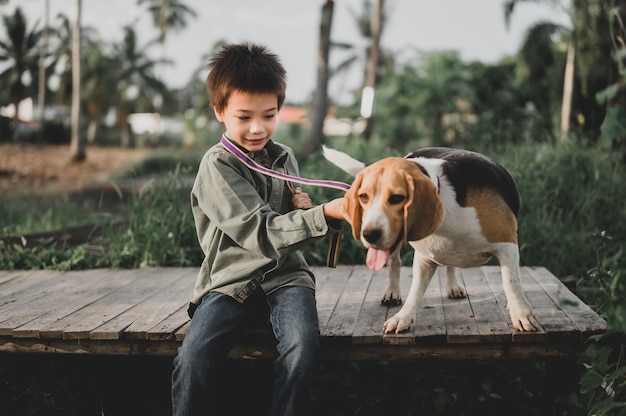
335 243
284 176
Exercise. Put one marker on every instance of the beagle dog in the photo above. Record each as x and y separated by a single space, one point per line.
456 208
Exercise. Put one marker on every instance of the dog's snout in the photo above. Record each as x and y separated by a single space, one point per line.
372 235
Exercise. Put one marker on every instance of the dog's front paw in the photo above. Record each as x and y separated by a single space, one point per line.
391 299
398 323
455 292
523 318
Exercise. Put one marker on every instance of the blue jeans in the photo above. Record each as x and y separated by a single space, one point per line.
217 324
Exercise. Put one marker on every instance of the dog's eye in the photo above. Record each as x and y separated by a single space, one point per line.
364 198
396 199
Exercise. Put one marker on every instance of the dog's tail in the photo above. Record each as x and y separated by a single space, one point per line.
343 161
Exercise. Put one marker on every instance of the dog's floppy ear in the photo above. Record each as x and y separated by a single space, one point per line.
423 211
352 207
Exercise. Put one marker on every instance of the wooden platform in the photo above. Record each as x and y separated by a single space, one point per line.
143 312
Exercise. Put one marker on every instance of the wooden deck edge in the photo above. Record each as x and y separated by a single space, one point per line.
329 350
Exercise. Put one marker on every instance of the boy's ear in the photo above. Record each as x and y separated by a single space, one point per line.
219 114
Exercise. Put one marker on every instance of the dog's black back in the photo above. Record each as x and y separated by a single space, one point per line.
466 169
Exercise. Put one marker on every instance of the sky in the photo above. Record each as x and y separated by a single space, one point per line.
290 28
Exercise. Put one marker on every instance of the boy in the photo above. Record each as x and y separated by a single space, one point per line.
250 227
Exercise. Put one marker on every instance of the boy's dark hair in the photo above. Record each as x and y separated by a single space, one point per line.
247 68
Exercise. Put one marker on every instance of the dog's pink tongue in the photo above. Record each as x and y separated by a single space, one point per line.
376 259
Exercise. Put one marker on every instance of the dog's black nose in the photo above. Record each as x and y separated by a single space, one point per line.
372 236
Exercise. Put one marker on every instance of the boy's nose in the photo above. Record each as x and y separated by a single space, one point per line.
256 127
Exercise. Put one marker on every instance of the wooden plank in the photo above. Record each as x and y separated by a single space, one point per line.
78 325
556 324
430 323
491 322
24 287
586 320
329 351
368 327
328 294
39 300
8 275
128 313
148 329
148 312
494 278
461 327
180 332
343 318
91 286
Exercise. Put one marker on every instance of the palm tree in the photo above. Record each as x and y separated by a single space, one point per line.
136 80
168 14
98 82
62 53
20 51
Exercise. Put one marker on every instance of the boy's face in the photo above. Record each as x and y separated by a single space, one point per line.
250 118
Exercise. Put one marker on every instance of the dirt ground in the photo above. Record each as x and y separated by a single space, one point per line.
44 169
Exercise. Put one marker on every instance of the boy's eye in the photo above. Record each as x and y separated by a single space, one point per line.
244 118
270 116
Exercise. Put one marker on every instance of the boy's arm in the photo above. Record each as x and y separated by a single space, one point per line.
232 204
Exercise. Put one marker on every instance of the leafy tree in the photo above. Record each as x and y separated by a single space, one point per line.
137 84
421 96
589 52
20 51
613 129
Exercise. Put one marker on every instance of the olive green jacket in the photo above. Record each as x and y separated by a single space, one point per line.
247 227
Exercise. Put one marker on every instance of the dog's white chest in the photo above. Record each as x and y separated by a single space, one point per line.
458 242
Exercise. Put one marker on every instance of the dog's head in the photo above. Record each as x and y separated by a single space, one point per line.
391 202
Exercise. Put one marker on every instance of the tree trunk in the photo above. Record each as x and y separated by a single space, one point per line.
92 130
320 100
16 120
77 146
41 98
568 87
372 68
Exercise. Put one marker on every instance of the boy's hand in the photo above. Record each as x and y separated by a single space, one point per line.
301 200
334 209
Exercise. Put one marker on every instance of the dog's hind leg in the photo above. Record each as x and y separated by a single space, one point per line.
518 306
454 289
